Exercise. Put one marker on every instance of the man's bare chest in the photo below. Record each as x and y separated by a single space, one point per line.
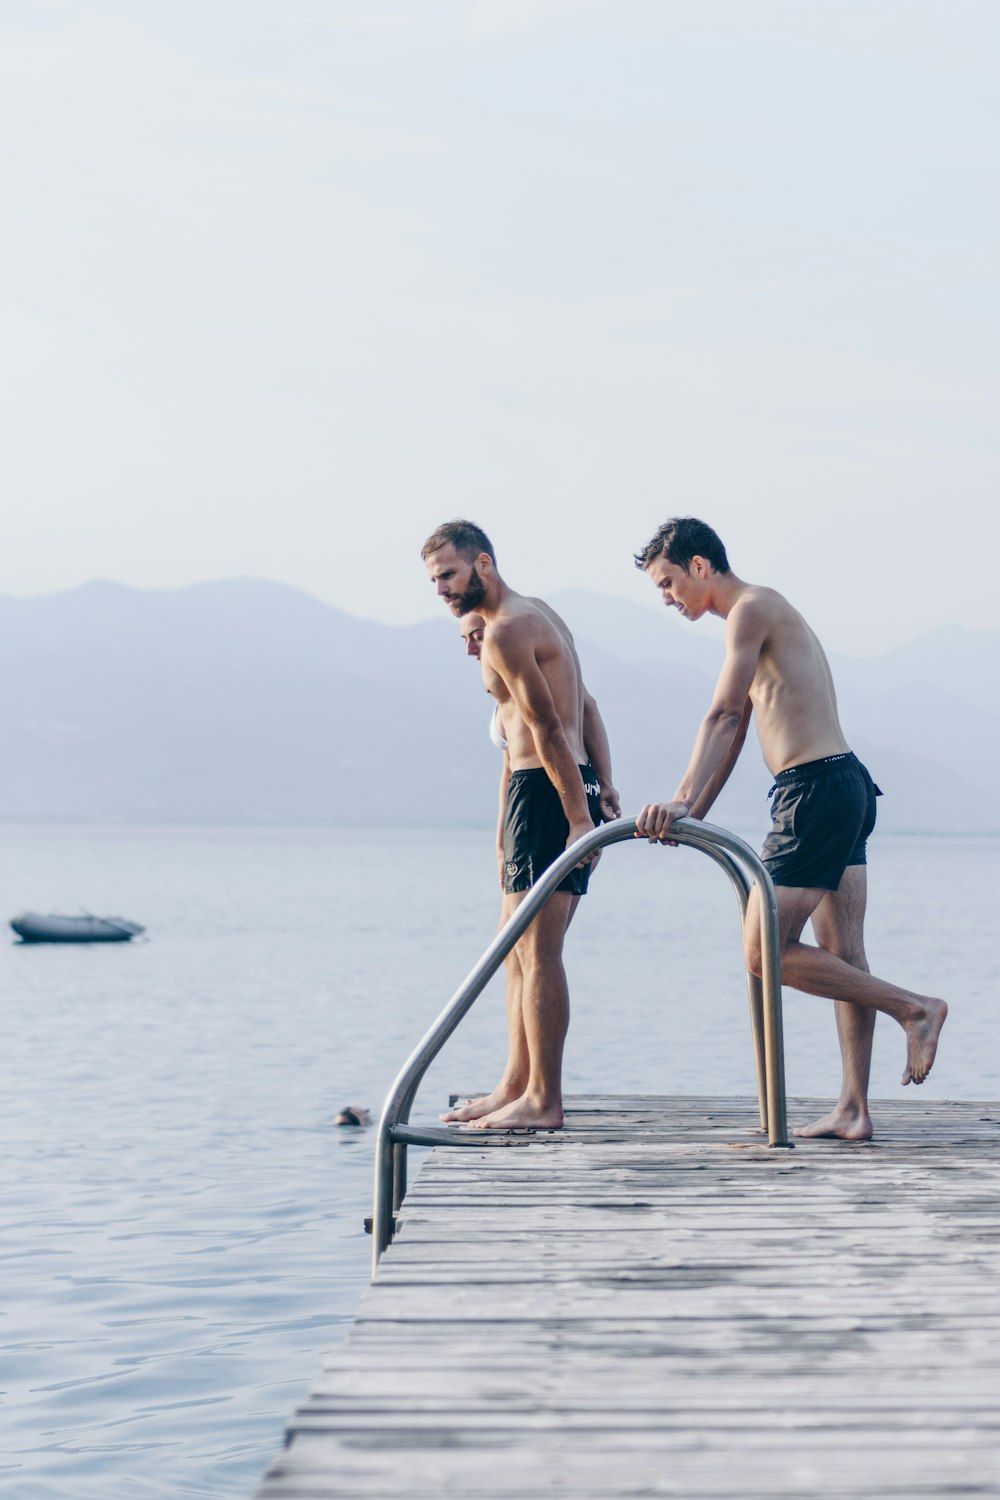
494 683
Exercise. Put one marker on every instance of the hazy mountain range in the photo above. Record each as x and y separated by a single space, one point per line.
249 702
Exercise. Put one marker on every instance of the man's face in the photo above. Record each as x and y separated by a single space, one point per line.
458 582
471 629
680 590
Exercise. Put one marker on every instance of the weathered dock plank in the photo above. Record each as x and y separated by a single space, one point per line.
653 1303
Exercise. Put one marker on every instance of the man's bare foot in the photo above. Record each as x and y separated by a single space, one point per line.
522 1114
922 1039
846 1122
474 1109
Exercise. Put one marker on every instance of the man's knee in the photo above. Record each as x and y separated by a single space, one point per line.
540 950
849 953
512 964
512 961
752 949
542 943
753 953
790 924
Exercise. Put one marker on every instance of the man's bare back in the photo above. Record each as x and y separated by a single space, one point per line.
533 626
792 691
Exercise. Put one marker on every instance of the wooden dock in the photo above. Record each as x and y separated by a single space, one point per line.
653 1303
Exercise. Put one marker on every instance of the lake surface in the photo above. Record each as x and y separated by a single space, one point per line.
182 1228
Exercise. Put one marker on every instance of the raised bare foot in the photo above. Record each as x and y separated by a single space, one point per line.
922 1039
474 1109
846 1122
522 1114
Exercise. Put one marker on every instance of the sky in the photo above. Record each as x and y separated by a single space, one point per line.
285 286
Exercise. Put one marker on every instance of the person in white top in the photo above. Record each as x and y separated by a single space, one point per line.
471 628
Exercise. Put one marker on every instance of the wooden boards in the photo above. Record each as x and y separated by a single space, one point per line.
654 1303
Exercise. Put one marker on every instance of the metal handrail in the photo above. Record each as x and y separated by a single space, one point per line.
755 990
744 869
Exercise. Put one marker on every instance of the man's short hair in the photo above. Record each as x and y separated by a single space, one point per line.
680 539
467 539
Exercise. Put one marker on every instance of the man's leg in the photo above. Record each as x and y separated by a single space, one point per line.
817 972
514 1080
839 925
544 1010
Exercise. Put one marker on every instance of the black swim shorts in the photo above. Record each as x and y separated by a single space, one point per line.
821 817
535 829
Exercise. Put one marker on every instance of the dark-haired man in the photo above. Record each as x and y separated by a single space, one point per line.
823 805
555 794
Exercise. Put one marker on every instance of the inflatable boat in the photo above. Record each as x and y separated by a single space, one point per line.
32 927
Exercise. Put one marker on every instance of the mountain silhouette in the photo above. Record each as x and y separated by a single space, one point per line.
249 702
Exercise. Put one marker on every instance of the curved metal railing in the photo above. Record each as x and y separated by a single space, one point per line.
745 871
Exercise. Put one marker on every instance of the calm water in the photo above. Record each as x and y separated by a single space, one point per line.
182 1235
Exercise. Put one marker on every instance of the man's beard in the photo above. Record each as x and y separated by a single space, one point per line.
473 596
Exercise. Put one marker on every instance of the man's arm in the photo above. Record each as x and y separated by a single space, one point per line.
723 729
512 655
713 786
595 742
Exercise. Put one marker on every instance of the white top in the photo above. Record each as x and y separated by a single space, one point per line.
496 733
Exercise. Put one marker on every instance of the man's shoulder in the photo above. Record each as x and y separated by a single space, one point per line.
759 604
510 631
764 616
546 617
525 619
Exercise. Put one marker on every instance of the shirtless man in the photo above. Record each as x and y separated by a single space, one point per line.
472 628
553 796
822 812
